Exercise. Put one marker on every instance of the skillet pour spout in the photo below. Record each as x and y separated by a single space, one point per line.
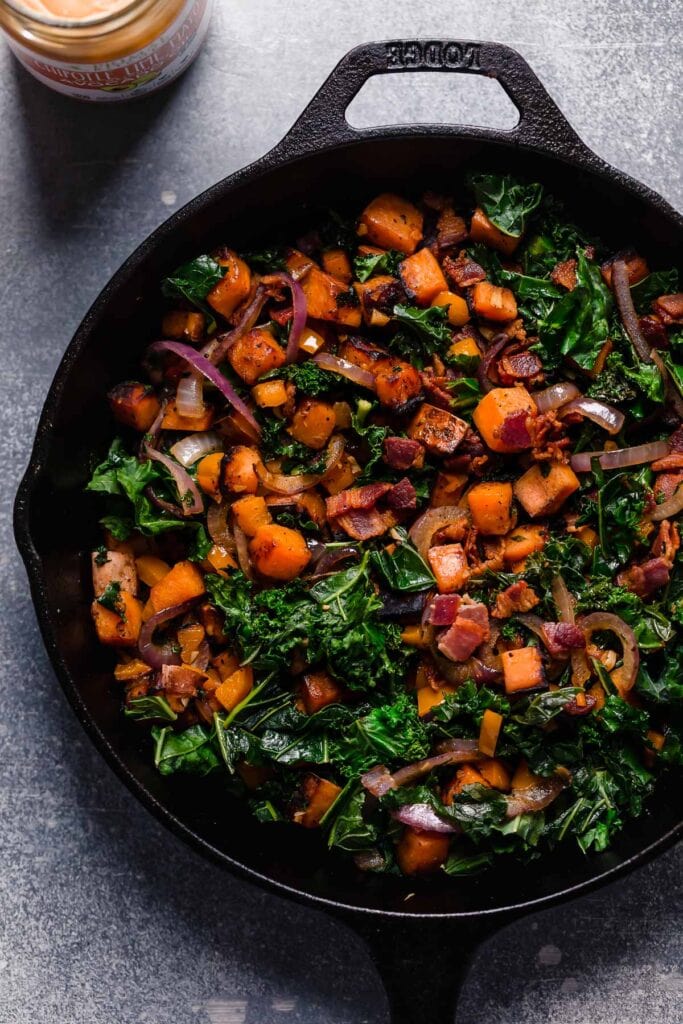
421 932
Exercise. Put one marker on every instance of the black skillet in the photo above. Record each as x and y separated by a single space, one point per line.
420 933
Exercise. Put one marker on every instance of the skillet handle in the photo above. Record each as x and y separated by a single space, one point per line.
541 123
423 963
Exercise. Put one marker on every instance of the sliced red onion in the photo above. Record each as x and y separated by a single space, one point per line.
621 457
217 525
422 818
203 366
606 416
195 446
556 396
430 522
627 311
534 798
565 606
242 547
189 397
217 348
498 342
330 559
669 509
299 311
612 623
185 485
282 483
168 506
155 654
378 780
344 368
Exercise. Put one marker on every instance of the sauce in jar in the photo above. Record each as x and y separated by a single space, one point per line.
105 49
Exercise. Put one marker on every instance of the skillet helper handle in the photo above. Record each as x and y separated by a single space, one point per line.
323 123
423 963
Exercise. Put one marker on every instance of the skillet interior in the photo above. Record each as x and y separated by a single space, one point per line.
61 522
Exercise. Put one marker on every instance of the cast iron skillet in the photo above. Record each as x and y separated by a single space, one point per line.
420 933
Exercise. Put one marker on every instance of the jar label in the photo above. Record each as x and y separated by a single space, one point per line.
133 75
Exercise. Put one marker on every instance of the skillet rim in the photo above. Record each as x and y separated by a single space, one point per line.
280 157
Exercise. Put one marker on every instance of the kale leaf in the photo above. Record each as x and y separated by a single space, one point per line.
404 569
505 201
189 751
143 708
365 267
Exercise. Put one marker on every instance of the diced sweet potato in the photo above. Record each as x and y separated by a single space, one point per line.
151 570
422 277
134 669
458 312
492 302
544 488
427 698
118 630
229 293
219 558
337 263
317 796
501 418
392 223
329 299
209 474
448 489
420 853
113 567
377 296
466 775
255 353
134 404
225 664
362 354
190 638
238 470
343 475
278 552
396 383
449 565
416 636
636 268
588 536
489 732
180 323
484 230
490 504
251 512
523 777
270 394
235 688
495 773
318 689
183 583
174 421
522 669
439 431
523 541
313 423
310 341
298 263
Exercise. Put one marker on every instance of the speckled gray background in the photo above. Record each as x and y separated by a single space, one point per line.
104 917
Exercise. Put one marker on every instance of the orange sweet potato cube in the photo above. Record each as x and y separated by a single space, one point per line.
392 223
235 688
484 230
317 796
501 417
255 353
448 562
422 277
229 293
522 669
118 630
329 299
134 404
544 488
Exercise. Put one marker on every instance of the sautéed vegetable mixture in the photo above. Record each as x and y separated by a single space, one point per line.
391 539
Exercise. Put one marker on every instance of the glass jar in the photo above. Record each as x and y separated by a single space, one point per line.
114 49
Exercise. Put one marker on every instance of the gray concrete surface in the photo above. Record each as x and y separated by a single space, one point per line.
104 917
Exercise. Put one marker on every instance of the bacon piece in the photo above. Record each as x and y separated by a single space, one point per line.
450 228
402 496
646 579
669 308
362 524
401 452
654 331
575 709
519 366
180 680
443 609
434 387
564 275
676 440
462 639
514 432
475 611
519 597
673 461
667 542
667 484
355 498
561 638
463 271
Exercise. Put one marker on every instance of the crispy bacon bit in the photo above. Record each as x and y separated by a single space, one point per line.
450 228
673 461
524 366
582 704
669 308
180 680
514 431
443 609
676 440
646 579
564 275
463 271
362 524
384 297
550 439
401 452
667 484
402 496
667 542
354 498
435 387
462 639
477 612
561 638
519 597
